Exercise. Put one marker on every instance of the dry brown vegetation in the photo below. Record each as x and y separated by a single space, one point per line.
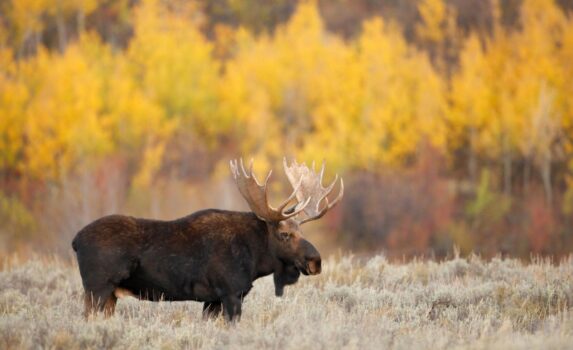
355 303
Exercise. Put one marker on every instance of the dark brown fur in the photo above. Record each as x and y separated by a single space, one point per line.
212 256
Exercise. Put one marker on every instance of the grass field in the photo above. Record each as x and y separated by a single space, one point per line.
370 304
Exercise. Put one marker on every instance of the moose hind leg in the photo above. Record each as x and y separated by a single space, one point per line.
212 309
101 274
109 306
102 300
232 308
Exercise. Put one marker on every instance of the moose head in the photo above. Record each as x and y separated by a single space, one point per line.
286 242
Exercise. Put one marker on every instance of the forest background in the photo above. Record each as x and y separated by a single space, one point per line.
451 121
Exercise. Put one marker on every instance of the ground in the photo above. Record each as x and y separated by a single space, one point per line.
353 304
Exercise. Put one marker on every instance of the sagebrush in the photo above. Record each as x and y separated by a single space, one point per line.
354 303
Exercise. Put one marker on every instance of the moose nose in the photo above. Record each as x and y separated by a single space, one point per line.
314 265
312 258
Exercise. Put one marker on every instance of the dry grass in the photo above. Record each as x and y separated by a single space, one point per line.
373 304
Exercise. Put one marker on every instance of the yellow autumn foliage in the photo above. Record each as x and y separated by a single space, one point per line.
367 103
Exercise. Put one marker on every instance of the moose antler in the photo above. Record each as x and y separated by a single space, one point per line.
256 194
310 186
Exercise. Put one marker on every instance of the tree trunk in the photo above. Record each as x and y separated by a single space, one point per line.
472 163
526 174
546 176
506 167
81 22
62 34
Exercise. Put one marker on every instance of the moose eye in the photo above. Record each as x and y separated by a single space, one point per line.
285 236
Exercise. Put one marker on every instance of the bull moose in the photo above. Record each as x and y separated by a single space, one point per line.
212 256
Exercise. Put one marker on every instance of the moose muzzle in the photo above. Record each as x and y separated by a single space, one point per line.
312 261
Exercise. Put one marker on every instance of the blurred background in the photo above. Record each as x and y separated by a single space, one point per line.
451 121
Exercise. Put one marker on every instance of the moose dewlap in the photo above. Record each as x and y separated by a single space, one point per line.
212 256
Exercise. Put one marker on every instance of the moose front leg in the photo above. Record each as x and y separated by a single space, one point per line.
212 309
232 308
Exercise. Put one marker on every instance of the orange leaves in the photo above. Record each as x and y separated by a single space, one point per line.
366 103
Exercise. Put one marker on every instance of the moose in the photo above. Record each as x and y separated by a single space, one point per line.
211 256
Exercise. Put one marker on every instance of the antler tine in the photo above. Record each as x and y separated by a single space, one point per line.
290 198
296 209
234 169
243 169
322 173
256 194
330 187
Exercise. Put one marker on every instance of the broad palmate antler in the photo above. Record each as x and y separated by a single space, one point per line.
309 185
307 189
256 194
